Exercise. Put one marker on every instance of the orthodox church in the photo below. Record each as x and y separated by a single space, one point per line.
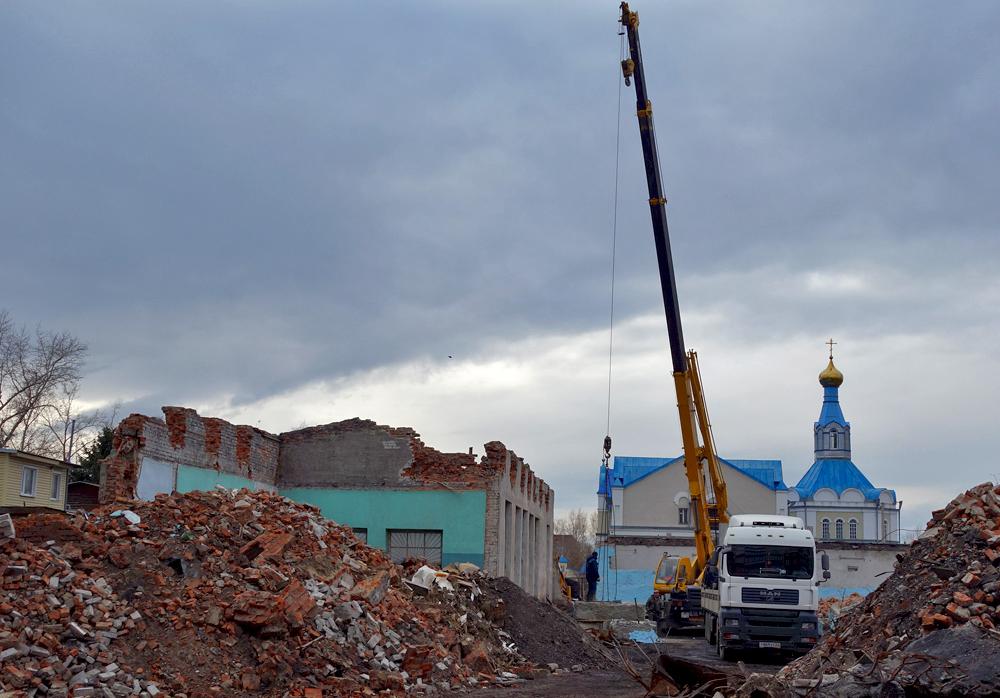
834 497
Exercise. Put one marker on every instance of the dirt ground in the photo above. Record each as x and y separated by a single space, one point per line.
615 683
606 684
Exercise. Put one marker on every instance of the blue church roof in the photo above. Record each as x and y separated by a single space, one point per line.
627 470
837 474
831 411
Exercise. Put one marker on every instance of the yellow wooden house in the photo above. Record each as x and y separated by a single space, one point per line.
31 482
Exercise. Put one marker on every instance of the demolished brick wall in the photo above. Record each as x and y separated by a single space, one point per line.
353 453
183 437
391 457
120 470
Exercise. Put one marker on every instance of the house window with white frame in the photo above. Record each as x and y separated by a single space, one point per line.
852 528
56 485
29 479
840 529
826 529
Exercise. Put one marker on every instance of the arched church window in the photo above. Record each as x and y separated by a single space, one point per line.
833 440
840 529
885 529
852 529
826 528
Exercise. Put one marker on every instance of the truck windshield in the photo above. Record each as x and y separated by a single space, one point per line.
666 571
778 561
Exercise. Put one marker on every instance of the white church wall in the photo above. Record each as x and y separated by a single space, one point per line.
859 567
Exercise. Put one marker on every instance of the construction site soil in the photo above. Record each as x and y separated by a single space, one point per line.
543 633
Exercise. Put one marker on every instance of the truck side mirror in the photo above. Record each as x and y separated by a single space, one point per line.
824 563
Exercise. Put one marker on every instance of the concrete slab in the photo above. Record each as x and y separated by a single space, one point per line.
602 611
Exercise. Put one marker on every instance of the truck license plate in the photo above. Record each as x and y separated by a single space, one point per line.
769 645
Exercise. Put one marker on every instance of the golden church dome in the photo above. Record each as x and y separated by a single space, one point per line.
831 377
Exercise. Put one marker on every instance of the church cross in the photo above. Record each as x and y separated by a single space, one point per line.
830 343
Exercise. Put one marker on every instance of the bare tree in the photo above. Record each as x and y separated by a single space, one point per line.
65 432
39 375
580 525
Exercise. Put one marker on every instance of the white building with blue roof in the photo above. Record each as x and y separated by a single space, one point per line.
648 497
644 509
834 497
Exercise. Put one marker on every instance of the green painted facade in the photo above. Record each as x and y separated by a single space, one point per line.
190 479
460 516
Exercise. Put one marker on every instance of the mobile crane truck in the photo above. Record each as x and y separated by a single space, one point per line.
760 588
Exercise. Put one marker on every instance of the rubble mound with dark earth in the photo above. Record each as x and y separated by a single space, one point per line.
248 593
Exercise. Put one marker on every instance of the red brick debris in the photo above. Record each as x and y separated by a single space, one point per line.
232 593
929 629
176 418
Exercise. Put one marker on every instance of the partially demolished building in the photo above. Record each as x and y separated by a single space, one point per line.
393 490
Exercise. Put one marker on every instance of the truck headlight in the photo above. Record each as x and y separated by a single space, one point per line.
732 622
808 626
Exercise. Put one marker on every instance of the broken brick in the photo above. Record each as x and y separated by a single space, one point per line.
270 545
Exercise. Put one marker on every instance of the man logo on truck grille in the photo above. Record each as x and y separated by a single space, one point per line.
779 596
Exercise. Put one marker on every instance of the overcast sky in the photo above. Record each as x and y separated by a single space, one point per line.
290 213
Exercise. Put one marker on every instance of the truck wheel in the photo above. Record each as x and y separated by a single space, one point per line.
725 653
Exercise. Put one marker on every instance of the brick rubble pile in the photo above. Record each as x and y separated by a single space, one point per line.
231 593
929 629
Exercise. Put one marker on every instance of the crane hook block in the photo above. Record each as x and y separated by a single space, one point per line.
607 446
628 67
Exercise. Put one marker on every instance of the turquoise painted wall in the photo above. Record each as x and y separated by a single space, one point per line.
190 479
461 516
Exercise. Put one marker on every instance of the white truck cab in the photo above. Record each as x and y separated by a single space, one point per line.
761 586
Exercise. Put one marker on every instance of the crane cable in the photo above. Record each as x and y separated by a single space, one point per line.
609 507
614 244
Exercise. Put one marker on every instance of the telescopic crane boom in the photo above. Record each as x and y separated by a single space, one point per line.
696 429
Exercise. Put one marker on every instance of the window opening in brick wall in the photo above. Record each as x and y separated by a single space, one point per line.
419 544
29 478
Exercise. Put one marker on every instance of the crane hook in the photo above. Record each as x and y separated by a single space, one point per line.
628 67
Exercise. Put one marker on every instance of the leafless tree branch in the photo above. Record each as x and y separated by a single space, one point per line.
39 378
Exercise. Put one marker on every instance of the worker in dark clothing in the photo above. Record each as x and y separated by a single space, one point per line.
593 574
